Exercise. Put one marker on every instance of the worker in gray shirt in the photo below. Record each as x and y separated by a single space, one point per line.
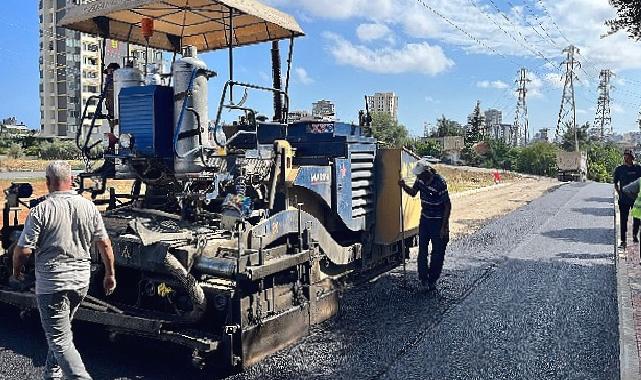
60 232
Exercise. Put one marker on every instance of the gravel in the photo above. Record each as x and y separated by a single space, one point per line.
531 295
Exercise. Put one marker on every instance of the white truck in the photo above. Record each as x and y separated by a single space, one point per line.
572 166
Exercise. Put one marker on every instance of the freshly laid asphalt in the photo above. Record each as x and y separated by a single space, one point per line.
532 295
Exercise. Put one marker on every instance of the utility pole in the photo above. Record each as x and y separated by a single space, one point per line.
520 129
603 120
568 105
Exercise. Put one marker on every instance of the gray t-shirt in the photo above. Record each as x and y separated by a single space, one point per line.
61 231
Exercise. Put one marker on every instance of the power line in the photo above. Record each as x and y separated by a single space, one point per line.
492 20
536 17
545 9
536 52
455 26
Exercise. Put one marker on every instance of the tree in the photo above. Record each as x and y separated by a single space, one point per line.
446 127
501 155
538 158
475 125
628 18
388 130
602 160
428 148
567 140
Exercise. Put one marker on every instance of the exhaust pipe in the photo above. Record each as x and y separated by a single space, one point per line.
276 73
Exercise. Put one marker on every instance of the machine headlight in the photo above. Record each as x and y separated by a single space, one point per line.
126 141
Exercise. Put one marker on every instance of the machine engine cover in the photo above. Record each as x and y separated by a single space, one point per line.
147 114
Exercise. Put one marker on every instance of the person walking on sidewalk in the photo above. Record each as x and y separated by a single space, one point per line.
435 221
60 232
624 175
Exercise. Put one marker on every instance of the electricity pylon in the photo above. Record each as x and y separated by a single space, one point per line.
568 105
520 130
603 120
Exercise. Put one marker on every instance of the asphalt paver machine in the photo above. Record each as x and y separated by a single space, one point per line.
234 237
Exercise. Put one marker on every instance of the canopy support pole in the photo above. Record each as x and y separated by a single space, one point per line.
231 55
290 58
276 76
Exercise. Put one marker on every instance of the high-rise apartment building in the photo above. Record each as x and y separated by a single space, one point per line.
70 70
493 121
386 102
61 61
493 117
324 109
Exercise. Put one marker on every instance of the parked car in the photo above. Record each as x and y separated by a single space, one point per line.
432 160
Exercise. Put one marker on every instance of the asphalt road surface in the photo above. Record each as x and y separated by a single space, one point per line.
530 296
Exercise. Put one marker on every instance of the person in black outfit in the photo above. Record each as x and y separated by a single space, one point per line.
623 175
435 221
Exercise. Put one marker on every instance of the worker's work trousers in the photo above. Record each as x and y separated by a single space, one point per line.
56 313
625 214
429 230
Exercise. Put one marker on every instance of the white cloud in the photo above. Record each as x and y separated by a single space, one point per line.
535 86
581 111
371 32
420 24
517 32
344 9
555 80
303 76
420 58
617 108
498 84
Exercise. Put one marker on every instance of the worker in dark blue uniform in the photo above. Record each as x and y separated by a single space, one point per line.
434 226
624 175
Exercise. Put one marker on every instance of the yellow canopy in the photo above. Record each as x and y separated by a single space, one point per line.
204 24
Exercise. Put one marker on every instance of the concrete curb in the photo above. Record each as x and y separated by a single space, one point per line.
628 348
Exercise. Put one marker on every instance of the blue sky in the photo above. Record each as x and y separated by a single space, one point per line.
439 60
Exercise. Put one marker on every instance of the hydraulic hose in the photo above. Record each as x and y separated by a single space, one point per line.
195 292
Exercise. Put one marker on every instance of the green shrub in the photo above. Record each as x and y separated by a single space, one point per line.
33 150
538 158
15 151
59 150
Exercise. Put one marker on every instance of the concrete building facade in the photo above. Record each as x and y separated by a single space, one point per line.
61 69
386 102
493 117
70 70
324 109
299 115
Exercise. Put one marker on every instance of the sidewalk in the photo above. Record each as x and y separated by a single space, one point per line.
629 300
